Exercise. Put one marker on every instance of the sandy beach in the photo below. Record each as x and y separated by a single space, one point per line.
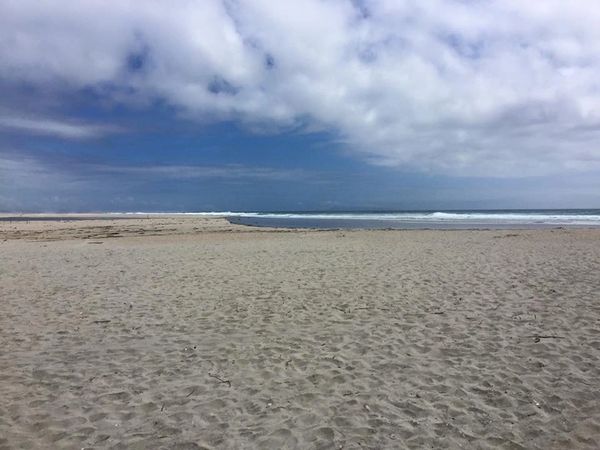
190 332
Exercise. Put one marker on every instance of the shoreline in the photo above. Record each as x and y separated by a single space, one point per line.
257 223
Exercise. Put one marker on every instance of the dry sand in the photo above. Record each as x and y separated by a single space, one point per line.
193 333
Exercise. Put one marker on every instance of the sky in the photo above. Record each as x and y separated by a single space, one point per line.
261 105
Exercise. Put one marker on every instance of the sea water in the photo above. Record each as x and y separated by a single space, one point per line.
458 219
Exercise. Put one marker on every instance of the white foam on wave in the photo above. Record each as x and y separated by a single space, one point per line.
520 217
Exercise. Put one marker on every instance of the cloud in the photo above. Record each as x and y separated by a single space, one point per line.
38 182
190 172
497 87
25 181
45 126
22 168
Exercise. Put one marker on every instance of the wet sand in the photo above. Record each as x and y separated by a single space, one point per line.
186 333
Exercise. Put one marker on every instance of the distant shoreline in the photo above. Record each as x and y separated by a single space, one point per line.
468 220
52 217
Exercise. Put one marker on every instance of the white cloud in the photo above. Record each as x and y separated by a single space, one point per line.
42 125
498 87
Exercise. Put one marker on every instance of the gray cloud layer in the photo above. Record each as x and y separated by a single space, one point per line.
502 88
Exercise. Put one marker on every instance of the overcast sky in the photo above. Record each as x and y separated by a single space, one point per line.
294 105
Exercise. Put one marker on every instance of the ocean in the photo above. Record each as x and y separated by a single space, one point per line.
463 219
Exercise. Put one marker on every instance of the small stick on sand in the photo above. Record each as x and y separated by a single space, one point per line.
538 337
220 379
